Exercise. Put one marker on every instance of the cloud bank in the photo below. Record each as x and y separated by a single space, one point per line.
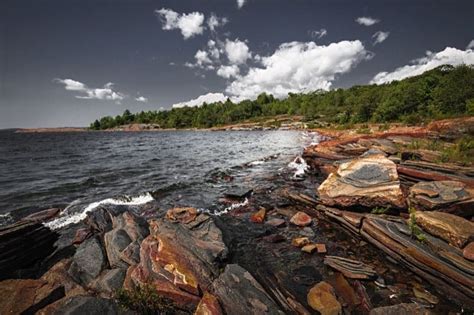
105 93
208 98
449 55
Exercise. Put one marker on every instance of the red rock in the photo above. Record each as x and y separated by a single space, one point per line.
81 235
321 298
468 251
310 248
300 241
183 215
209 305
321 248
43 215
259 216
301 219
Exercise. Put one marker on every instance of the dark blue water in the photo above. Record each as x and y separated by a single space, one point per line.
75 170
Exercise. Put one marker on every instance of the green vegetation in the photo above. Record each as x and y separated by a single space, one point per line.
380 210
145 300
443 92
461 152
415 229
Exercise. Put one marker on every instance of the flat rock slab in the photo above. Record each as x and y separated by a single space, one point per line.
238 193
403 308
350 268
89 305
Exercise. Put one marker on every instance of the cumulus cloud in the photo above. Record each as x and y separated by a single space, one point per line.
141 99
380 37
449 55
208 98
240 3
470 45
228 72
190 24
366 20
237 51
214 22
318 34
299 67
105 93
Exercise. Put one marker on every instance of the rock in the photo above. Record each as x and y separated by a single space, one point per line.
344 290
209 305
58 275
451 228
259 216
274 238
81 235
183 215
238 193
42 216
370 181
90 305
301 219
27 296
321 248
300 241
468 251
88 261
310 248
116 241
321 298
404 308
109 281
23 246
276 222
180 260
240 293
421 293
352 269
131 253
446 196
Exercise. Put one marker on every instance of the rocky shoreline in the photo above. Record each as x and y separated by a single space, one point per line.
377 226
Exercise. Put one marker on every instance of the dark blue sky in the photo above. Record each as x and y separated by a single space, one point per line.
44 42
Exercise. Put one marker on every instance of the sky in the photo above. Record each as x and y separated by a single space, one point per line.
68 62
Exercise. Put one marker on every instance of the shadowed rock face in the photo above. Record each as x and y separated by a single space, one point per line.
446 196
370 181
240 293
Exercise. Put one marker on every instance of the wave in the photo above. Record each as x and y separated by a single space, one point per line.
300 166
73 218
229 208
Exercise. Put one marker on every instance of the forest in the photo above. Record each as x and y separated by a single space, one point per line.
443 92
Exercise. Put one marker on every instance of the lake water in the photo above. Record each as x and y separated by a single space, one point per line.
80 171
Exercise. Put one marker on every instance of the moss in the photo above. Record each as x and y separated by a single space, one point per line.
145 300
416 231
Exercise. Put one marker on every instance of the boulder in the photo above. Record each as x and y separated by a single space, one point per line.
468 251
446 196
451 228
403 308
301 219
240 293
116 241
81 235
321 298
183 215
90 305
209 305
88 261
109 281
370 181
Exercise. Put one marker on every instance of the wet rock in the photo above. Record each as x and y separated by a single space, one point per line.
88 261
42 216
451 228
80 305
109 281
240 293
370 181
238 193
259 216
209 305
26 296
468 251
180 261
116 241
274 238
423 294
321 298
23 246
350 268
301 219
300 241
276 222
446 196
183 215
81 235
404 308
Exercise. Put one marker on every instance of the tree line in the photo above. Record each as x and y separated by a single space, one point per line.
446 91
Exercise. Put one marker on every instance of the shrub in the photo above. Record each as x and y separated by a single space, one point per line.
145 300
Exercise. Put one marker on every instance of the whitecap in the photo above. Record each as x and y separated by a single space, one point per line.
228 209
73 218
300 166
5 218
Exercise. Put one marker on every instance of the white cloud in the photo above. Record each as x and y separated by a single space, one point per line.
318 34
470 45
366 20
214 22
237 51
228 72
299 67
449 55
240 3
141 99
105 93
189 24
208 98
380 37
